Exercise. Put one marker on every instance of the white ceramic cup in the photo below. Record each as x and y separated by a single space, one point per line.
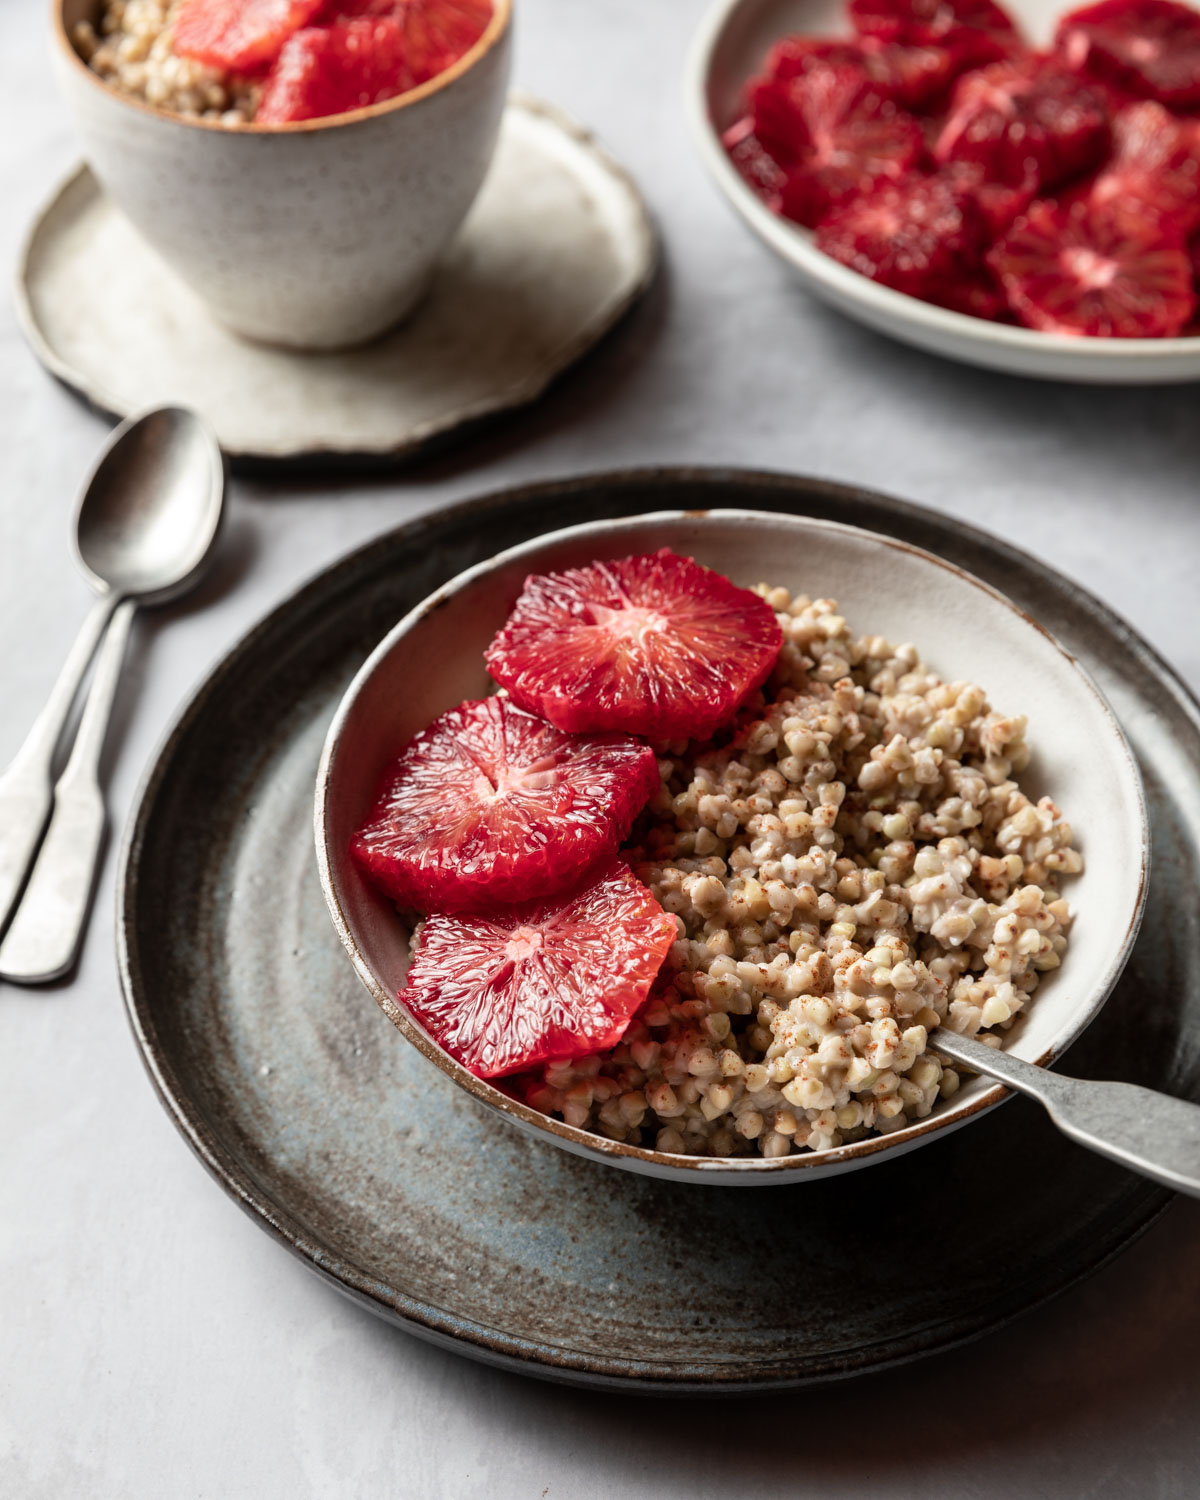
319 234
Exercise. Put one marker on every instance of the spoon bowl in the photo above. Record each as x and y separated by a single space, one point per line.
150 509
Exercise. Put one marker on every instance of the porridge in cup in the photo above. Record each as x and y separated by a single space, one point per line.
130 47
319 227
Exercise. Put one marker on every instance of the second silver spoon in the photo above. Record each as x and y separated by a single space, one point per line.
145 525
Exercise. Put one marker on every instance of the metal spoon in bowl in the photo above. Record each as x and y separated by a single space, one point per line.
1150 1133
145 524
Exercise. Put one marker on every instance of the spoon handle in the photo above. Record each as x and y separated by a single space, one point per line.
25 788
1151 1133
44 938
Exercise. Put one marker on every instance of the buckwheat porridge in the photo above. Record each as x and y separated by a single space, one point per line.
855 867
132 50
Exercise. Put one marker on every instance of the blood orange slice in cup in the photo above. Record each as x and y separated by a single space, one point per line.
435 33
328 70
240 35
363 52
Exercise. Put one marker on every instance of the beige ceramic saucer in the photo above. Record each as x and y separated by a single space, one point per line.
557 246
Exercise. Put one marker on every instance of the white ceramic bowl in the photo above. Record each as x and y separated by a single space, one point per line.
316 235
433 659
728 50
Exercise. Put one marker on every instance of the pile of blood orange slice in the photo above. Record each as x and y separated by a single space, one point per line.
939 154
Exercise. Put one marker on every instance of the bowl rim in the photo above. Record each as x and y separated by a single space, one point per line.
496 29
587 1143
888 306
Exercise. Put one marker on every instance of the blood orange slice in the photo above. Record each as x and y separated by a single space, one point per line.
1014 119
911 76
558 980
1155 164
364 52
491 806
436 32
796 55
835 134
240 35
1087 269
916 235
998 202
925 21
654 645
919 76
1151 47
976 294
755 164
328 70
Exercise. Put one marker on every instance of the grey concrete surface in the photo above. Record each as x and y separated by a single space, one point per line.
153 1343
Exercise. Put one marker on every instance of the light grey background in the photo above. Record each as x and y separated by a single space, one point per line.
153 1342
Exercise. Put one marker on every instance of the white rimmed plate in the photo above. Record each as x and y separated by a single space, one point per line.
728 50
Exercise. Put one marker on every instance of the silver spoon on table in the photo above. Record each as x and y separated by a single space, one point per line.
146 521
1151 1133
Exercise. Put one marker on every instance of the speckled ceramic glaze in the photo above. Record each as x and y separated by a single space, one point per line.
316 235
965 630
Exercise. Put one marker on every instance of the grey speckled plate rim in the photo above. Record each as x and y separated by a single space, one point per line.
440 1325
433 434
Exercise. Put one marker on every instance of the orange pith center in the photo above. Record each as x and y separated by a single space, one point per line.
633 622
524 941
497 779
1090 270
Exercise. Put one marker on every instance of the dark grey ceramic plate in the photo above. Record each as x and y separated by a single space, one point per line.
305 1103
